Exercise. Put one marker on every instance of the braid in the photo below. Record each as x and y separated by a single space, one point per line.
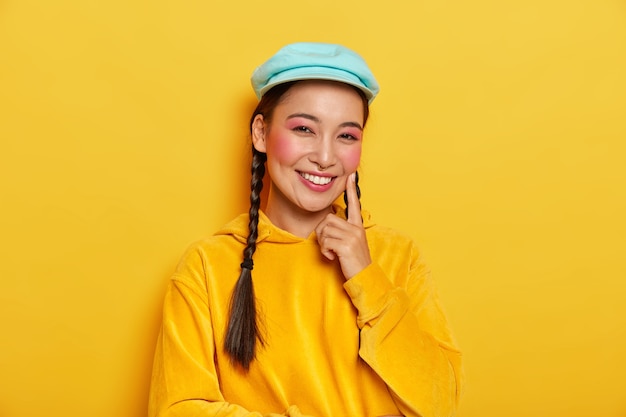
243 330
358 192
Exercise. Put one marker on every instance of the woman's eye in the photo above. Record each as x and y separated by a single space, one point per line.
303 129
348 136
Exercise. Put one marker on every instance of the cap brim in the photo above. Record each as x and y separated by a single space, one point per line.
317 73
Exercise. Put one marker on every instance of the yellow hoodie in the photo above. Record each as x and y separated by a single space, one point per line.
377 344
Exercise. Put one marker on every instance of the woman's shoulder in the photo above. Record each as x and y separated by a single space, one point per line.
213 254
377 231
396 252
234 233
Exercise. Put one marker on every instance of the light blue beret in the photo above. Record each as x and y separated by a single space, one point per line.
315 61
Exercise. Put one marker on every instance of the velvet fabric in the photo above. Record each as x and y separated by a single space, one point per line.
377 344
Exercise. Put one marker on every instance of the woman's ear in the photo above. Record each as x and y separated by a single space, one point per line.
259 129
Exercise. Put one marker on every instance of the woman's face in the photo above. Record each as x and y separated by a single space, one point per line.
313 143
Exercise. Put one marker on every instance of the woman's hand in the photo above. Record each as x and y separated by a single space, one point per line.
343 239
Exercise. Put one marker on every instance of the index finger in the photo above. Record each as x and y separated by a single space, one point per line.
354 205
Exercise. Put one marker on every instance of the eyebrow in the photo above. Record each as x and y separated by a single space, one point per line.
317 120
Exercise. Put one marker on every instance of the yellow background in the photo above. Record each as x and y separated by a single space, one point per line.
497 142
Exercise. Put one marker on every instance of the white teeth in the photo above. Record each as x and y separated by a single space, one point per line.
315 179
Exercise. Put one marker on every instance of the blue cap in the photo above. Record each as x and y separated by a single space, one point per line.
315 61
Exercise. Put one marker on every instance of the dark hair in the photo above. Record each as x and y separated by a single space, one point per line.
243 327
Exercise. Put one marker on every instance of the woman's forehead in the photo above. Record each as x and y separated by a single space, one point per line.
325 97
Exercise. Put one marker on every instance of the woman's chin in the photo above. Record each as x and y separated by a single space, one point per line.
316 206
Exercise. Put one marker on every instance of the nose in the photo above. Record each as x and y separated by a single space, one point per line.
323 155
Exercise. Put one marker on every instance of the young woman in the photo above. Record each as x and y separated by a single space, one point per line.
305 308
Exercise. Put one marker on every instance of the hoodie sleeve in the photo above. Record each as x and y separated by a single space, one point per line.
406 340
184 379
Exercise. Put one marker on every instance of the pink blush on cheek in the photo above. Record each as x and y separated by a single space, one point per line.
351 159
282 147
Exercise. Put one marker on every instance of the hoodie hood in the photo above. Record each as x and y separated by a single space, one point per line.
238 227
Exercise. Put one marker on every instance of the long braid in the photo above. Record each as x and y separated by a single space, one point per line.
243 330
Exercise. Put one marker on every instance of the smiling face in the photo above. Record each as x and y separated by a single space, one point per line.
313 143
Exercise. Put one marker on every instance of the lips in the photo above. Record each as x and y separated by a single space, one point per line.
315 179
